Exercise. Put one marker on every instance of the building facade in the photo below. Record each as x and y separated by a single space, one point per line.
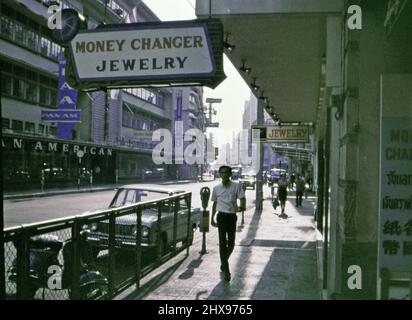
345 67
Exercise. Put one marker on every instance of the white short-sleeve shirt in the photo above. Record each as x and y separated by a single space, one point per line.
226 197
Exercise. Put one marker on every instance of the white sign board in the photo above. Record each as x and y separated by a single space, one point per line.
142 53
395 181
284 133
395 244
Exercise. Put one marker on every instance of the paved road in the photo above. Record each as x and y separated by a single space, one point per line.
30 210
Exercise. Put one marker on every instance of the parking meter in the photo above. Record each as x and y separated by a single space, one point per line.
205 196
204 225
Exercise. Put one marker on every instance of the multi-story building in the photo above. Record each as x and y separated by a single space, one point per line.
115 129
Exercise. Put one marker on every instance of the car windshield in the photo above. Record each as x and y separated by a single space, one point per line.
130 196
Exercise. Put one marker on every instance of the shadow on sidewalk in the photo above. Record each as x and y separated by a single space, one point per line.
223 290
190 268
155 282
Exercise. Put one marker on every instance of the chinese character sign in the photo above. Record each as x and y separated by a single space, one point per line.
395 243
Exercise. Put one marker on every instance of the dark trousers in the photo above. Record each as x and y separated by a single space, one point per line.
227 230
299 195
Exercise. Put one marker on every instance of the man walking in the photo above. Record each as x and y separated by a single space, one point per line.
300 188
224 197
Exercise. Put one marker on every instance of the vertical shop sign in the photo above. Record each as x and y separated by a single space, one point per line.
67 99
395 242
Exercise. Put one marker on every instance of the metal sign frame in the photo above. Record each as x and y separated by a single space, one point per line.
263 133
213 33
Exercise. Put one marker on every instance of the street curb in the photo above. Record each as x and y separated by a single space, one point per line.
97 189
53 193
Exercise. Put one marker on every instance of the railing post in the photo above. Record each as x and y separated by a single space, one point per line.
188 199
23 265
75 283
138 245
159 232
2 265
112 261
175 213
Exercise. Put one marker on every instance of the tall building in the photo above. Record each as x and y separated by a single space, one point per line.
114 134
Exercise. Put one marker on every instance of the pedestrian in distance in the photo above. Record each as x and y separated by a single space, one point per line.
282 194
224 197
300 189
292 180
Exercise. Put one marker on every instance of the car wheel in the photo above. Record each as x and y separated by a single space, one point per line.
94 291
95 253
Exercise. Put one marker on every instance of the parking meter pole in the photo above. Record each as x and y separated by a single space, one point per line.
243 218
243 211
78 175
42 180
204 225
203 251
79 154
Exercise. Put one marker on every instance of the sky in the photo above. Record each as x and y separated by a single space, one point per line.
233 90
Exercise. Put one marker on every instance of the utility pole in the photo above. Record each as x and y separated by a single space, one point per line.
259 174
209 122
210 101
106 116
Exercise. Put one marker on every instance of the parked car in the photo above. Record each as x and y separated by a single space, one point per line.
249 180
275 175
236 172
126 225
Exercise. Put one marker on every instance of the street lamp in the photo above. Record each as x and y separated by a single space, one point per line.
210 101
209 123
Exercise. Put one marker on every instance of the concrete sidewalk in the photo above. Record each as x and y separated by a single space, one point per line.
274 259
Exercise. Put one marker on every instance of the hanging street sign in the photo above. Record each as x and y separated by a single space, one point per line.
151 53
284 133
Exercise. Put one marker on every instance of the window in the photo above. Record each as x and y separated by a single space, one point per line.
5 123
6 87
53 131
29 127
17 27
44 96
17 125
147 95
29 85
41 129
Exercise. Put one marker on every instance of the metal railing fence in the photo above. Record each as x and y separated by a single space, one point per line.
121 268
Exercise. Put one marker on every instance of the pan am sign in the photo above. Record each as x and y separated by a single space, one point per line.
132 53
